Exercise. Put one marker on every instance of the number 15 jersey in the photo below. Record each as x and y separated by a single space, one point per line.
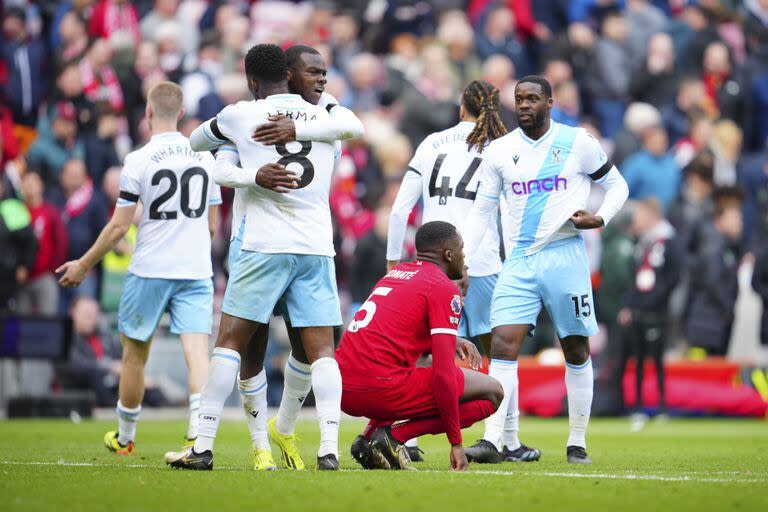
298 222
175 186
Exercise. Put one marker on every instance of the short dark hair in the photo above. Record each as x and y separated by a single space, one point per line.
433 235
294 53
266 62
14 11
546 88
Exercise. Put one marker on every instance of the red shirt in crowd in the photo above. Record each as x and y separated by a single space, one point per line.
414 309
51 239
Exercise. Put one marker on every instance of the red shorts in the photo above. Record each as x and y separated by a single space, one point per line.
407 398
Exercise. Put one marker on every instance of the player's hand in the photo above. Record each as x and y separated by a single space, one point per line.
279 130
467 351
583 219
459 460
73 274
625 317
391 264
276 177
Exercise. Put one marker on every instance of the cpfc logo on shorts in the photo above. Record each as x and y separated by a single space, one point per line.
456 305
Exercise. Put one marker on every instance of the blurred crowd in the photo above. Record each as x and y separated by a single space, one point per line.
675 90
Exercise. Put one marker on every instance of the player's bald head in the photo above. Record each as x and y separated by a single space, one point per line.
166 100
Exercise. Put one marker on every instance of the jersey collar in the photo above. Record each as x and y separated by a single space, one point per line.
282 96
544 137
166 135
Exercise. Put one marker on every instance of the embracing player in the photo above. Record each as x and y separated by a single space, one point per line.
444 173
414 309
543 169
287 253
171 265
307 77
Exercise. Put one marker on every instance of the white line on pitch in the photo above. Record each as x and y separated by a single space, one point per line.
607 476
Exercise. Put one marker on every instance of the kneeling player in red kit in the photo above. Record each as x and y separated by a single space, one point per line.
414 309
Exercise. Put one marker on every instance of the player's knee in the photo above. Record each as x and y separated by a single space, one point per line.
496 394
135 352
576 349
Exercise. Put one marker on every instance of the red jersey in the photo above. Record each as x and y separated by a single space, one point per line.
414 309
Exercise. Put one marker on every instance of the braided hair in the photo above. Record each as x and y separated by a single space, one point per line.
481 100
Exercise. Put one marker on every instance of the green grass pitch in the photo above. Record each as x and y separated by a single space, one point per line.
680 465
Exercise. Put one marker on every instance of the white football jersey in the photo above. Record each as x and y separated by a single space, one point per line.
447 182
544 182
298 222
238 206
175 186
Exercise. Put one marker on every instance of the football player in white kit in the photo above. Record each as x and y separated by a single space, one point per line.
443 172
307 77
543 169
287 252
171 265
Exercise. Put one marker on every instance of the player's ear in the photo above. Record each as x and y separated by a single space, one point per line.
289 75
181 114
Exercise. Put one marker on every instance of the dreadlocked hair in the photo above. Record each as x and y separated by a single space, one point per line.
481 100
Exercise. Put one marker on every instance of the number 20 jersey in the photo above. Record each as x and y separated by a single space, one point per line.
175 186
448 170
298 222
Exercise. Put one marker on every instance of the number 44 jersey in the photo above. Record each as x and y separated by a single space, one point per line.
297 222
443 172
175 186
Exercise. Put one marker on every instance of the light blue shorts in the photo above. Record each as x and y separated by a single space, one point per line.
145 299
557 277
476 316
306 284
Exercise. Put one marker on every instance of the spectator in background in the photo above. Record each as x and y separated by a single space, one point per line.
25 60
19 246
365 74
756 30
724 86
715 286
69 88
111 17
657 266
234 42
567 109
638 118
699 136
369 263
40 294
100 152
657 80
74 39
644 20
94 361
85 214
676 115
694 31
114 266
458 37
691 213
612 70
55 144
725 146
199 82
146 63
577 48
496 35
500 72
652 172
167 10
100 82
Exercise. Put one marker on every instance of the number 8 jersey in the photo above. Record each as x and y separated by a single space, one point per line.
298 222
444 172
175 186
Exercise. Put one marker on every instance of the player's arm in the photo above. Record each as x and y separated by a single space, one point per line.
272 176
342 125
599 168
483 209
214 202
74 271
444 313
407 196
207 136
